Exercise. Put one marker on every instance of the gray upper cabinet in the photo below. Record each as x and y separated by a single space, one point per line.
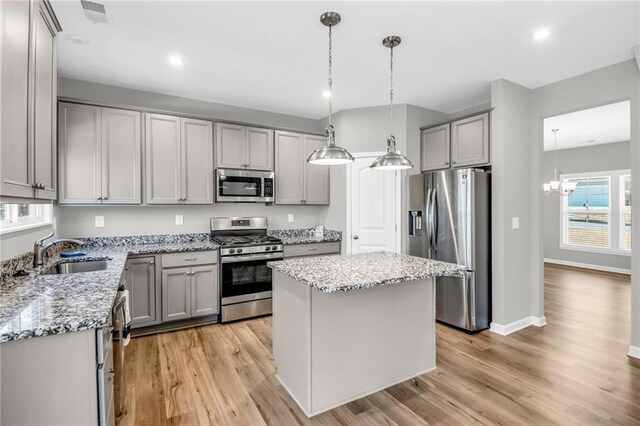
179 160
470 141
27 105
298 182
316 178
242 147
435 148
140 280
461 143
289 168
162 161
100 155
197 164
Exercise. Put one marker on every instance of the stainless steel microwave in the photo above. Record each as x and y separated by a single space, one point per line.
244 186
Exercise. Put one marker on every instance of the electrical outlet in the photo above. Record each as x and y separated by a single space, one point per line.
515 223
99 221
291 217
179 219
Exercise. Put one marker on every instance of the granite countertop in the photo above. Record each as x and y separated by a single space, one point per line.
41 305
338 273
305 236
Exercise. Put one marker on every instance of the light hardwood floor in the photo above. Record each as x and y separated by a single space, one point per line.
572 371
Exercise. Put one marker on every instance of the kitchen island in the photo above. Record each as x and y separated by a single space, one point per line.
348 326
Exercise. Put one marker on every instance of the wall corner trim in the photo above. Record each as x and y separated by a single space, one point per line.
634 351
588 266
505 330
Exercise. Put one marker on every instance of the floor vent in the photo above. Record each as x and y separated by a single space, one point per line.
95 12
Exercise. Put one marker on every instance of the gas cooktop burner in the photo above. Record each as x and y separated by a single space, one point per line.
244 240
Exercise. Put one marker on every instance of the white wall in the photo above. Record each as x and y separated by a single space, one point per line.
510 183
17 243
613 156
603 86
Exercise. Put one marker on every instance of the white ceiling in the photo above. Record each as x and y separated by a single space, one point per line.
273 55
595 126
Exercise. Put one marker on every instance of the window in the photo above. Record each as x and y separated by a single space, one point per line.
16 217
597 215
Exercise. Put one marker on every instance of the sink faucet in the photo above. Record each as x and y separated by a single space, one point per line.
39 248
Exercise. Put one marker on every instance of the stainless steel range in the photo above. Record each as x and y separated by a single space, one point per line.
245 249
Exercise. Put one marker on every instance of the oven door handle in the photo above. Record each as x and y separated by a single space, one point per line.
250 257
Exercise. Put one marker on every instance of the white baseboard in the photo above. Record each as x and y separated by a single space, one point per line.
634 351
504 330
588 266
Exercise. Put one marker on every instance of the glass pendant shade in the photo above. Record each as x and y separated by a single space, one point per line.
392 160
330 154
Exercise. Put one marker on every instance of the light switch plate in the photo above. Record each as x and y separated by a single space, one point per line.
290 217
99 221
515 223
179 219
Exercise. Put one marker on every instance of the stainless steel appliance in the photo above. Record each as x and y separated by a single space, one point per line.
245 249
449 219
244 186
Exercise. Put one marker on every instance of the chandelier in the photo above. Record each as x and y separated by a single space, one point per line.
556 187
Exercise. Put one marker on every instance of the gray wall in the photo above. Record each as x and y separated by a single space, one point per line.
603 86
510 146
17 243
614 156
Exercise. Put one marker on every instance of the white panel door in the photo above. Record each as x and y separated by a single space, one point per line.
374 198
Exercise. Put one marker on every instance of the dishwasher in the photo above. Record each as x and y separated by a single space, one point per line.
119 376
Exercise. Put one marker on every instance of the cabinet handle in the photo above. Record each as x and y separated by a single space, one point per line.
41 186
99 198
105 198
151 262
126 268
446 163
454 162
190 259
313 249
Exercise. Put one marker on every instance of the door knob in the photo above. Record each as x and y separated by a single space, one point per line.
355 237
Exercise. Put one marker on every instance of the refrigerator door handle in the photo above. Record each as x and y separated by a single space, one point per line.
429 218
434 220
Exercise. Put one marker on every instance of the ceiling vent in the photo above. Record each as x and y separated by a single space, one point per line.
95 12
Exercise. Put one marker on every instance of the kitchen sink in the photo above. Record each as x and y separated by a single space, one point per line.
80 266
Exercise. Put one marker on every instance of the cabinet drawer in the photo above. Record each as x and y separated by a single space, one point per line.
189 258
311 249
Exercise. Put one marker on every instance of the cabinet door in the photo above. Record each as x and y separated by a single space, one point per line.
79 157
230 146
316 177
43 98
204 290
259 149
434 148
162 163
197 166
176 294
289 168
140 280
121 156
16 165
470 141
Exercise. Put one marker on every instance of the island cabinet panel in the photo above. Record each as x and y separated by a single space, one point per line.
470 141
140 280
333 348
176 294
298 182
435 147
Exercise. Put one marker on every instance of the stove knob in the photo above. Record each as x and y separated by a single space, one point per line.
274 248
239 250
268 248
231 251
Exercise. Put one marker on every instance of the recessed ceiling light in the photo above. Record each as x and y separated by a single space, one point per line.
541 33
77 39
175 60
326 94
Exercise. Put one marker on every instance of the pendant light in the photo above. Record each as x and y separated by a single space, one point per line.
391 160
330 154
555 187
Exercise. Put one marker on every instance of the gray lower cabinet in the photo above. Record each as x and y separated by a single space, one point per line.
461 143
189 291
298 182
243 147
179 160
144 295
311 249
28 85
100 155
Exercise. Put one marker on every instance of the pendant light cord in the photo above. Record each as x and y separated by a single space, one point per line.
555 154
330 76
391 93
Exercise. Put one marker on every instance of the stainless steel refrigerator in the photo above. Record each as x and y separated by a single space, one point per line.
449 219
